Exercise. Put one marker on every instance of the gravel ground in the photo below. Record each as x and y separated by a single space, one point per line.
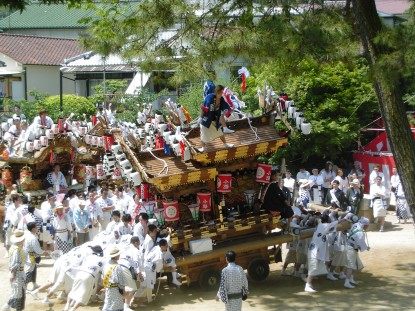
386 283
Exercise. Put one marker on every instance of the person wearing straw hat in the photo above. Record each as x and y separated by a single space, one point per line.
34 251
354 196
17 259
63 229
114 283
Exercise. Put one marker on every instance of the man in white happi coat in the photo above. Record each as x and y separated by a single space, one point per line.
86 280
318 251
150 240
95 214
33 251
356 242
153 263
233 284
107 206
141 228
130 263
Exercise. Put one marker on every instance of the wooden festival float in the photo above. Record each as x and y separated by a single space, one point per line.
206 199
27 169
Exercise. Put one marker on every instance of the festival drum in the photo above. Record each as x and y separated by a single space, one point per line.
25 174
79 172
171 211
29 146
100 172
7 177
224 183
43 141
108 142
204 200
263 173
88 139
36 144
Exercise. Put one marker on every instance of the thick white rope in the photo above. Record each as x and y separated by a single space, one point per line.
165 168
253 128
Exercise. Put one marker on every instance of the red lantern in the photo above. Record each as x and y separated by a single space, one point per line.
224 183
171 211
205 202
60 125
94 120
108 142
263 173
159 142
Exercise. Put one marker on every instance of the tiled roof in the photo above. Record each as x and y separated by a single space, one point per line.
393 7
32 50
41 16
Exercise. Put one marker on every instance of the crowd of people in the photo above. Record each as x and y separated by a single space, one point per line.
99 240
102 241
331 187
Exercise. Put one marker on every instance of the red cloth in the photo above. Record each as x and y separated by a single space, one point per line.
243 84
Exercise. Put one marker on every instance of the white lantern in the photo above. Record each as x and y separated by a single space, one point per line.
125 163
291 111
147 127
115 148
135 178
43 141
306 128
5 126
162 127
29 146
298 120
49 134
36 144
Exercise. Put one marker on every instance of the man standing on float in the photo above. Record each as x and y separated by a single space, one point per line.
212 116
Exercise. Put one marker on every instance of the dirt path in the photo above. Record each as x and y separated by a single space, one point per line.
386 283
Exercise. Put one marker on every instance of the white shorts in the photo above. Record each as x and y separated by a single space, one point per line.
353 260
130 283
316 267
209 134
84 286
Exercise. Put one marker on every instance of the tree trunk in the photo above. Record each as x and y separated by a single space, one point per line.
389 95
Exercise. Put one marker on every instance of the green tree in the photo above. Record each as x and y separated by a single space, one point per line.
77 105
